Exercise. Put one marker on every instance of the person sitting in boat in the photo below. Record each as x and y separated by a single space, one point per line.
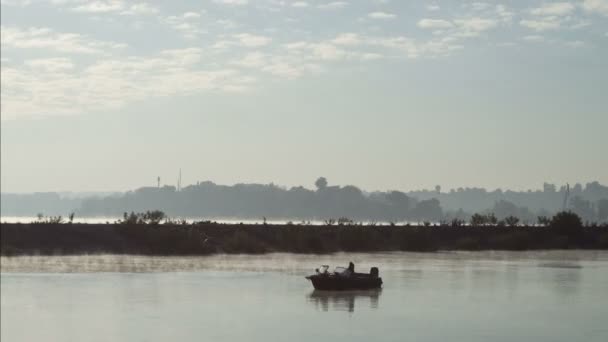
351 269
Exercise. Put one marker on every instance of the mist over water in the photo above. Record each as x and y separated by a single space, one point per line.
461 296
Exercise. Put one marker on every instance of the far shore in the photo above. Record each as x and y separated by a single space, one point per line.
215 238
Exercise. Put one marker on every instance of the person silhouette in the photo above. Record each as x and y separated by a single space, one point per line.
351 267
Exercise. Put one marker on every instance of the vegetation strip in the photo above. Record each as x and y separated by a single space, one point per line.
145 234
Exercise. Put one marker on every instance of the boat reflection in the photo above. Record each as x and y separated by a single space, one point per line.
343 300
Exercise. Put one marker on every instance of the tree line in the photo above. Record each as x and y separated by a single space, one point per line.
324 202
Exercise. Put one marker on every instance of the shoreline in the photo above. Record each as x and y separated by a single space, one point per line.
213 238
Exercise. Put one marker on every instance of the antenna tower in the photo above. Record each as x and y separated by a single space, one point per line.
179 181
566 195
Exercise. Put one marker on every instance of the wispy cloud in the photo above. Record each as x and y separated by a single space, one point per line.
252 40
596 6
46 38
56 87
557 8
382 15
334 5
227 45
232 2
187 24
434 24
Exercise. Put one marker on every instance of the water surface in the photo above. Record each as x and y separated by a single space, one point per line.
485 296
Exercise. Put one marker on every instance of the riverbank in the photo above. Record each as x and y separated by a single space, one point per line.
212 238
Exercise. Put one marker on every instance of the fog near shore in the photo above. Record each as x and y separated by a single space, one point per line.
283 262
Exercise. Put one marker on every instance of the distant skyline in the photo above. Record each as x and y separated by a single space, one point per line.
109 95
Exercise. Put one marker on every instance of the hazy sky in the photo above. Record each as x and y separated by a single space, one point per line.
108 95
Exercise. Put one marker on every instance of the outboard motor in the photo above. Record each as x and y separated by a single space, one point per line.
374 272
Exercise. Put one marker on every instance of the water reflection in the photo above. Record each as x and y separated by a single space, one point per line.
343 300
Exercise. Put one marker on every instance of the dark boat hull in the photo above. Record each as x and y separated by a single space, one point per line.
339 283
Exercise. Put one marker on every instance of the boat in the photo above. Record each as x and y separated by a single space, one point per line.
345 279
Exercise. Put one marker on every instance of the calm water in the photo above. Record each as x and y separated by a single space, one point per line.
546 296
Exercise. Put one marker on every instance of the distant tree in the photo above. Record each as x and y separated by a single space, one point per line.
55 219
491 219
511 221
153 217
566 222
478 220
130 219
321 183
40 216
438 189
344 221
400 204
329 222
457 222
398 198
149 217
428 210
71 218
544 221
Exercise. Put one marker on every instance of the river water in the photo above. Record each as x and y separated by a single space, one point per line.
461 296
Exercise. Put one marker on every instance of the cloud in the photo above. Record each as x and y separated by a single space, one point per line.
96 6
186 23
232 2
228 51
557 8
251 60
382 15
434 24
284 69
56 87
18 3
504 14
99 6
541 25
478 6
226 24
551 16
472 27
575 43
319 51
596 6
46 38
140 9
347 39
533 38
333 5
252 40
50 64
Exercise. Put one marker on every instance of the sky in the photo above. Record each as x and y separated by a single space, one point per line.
385 95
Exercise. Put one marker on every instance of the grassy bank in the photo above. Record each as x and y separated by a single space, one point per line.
209 238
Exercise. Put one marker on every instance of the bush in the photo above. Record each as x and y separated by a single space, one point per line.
544 221
511 221
149 217
478 220
567 222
